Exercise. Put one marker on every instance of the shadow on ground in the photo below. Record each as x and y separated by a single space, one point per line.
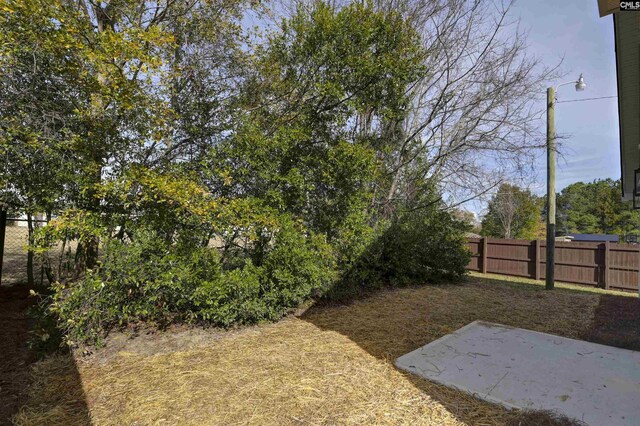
391 323
19 371
616 322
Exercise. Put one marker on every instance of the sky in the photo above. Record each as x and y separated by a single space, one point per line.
573 30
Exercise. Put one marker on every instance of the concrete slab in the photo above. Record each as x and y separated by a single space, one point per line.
525 369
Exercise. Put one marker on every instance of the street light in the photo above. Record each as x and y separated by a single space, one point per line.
580 85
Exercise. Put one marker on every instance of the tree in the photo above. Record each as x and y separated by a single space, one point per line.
166 127
314 138
512 213
465 217
596 208
91 89
177 90
472 117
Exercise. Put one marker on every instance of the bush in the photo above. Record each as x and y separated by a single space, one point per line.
155 281
415 249
424 248
296 266
158 280
144 280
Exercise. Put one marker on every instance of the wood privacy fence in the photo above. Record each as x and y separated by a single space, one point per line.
607 265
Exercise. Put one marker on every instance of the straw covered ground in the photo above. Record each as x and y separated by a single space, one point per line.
328 365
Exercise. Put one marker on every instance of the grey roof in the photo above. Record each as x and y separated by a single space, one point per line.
595 237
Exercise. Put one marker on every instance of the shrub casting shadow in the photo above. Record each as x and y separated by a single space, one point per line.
388 325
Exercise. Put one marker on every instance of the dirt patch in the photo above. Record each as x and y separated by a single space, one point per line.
15 356
148 341
616 322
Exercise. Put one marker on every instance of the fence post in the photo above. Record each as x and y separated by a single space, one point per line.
484 255
607 260
536 260
3 227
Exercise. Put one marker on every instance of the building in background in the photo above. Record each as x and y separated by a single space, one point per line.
626 26
592 238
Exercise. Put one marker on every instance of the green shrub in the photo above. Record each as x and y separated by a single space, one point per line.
144 280
296 266
425 247
158 282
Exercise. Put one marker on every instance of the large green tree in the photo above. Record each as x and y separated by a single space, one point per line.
473 119
321 106
596 208
228 176
513 212
90 90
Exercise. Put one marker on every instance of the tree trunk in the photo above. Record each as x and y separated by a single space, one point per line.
30 280
87 251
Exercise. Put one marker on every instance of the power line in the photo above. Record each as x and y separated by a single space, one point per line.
587 99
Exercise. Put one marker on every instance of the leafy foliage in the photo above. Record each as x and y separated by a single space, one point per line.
208 175
415 248
513 212
596 208
151 280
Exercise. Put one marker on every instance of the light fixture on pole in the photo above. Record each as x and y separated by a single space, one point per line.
580 85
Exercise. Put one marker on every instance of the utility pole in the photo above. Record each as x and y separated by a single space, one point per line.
580 85
551 188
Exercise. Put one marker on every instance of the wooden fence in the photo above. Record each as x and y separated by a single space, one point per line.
607 265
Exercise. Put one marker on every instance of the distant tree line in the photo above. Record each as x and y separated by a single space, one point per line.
582 208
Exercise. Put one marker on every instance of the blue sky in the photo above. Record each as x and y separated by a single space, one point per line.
573 29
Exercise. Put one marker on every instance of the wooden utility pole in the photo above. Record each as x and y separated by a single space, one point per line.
551 178
551 188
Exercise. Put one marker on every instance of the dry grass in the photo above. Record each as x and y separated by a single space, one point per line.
56 394
14 266
330 365
617 322
566 286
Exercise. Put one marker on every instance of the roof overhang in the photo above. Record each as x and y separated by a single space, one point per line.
607 7
627 42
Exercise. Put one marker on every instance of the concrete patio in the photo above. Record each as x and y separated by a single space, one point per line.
518 368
